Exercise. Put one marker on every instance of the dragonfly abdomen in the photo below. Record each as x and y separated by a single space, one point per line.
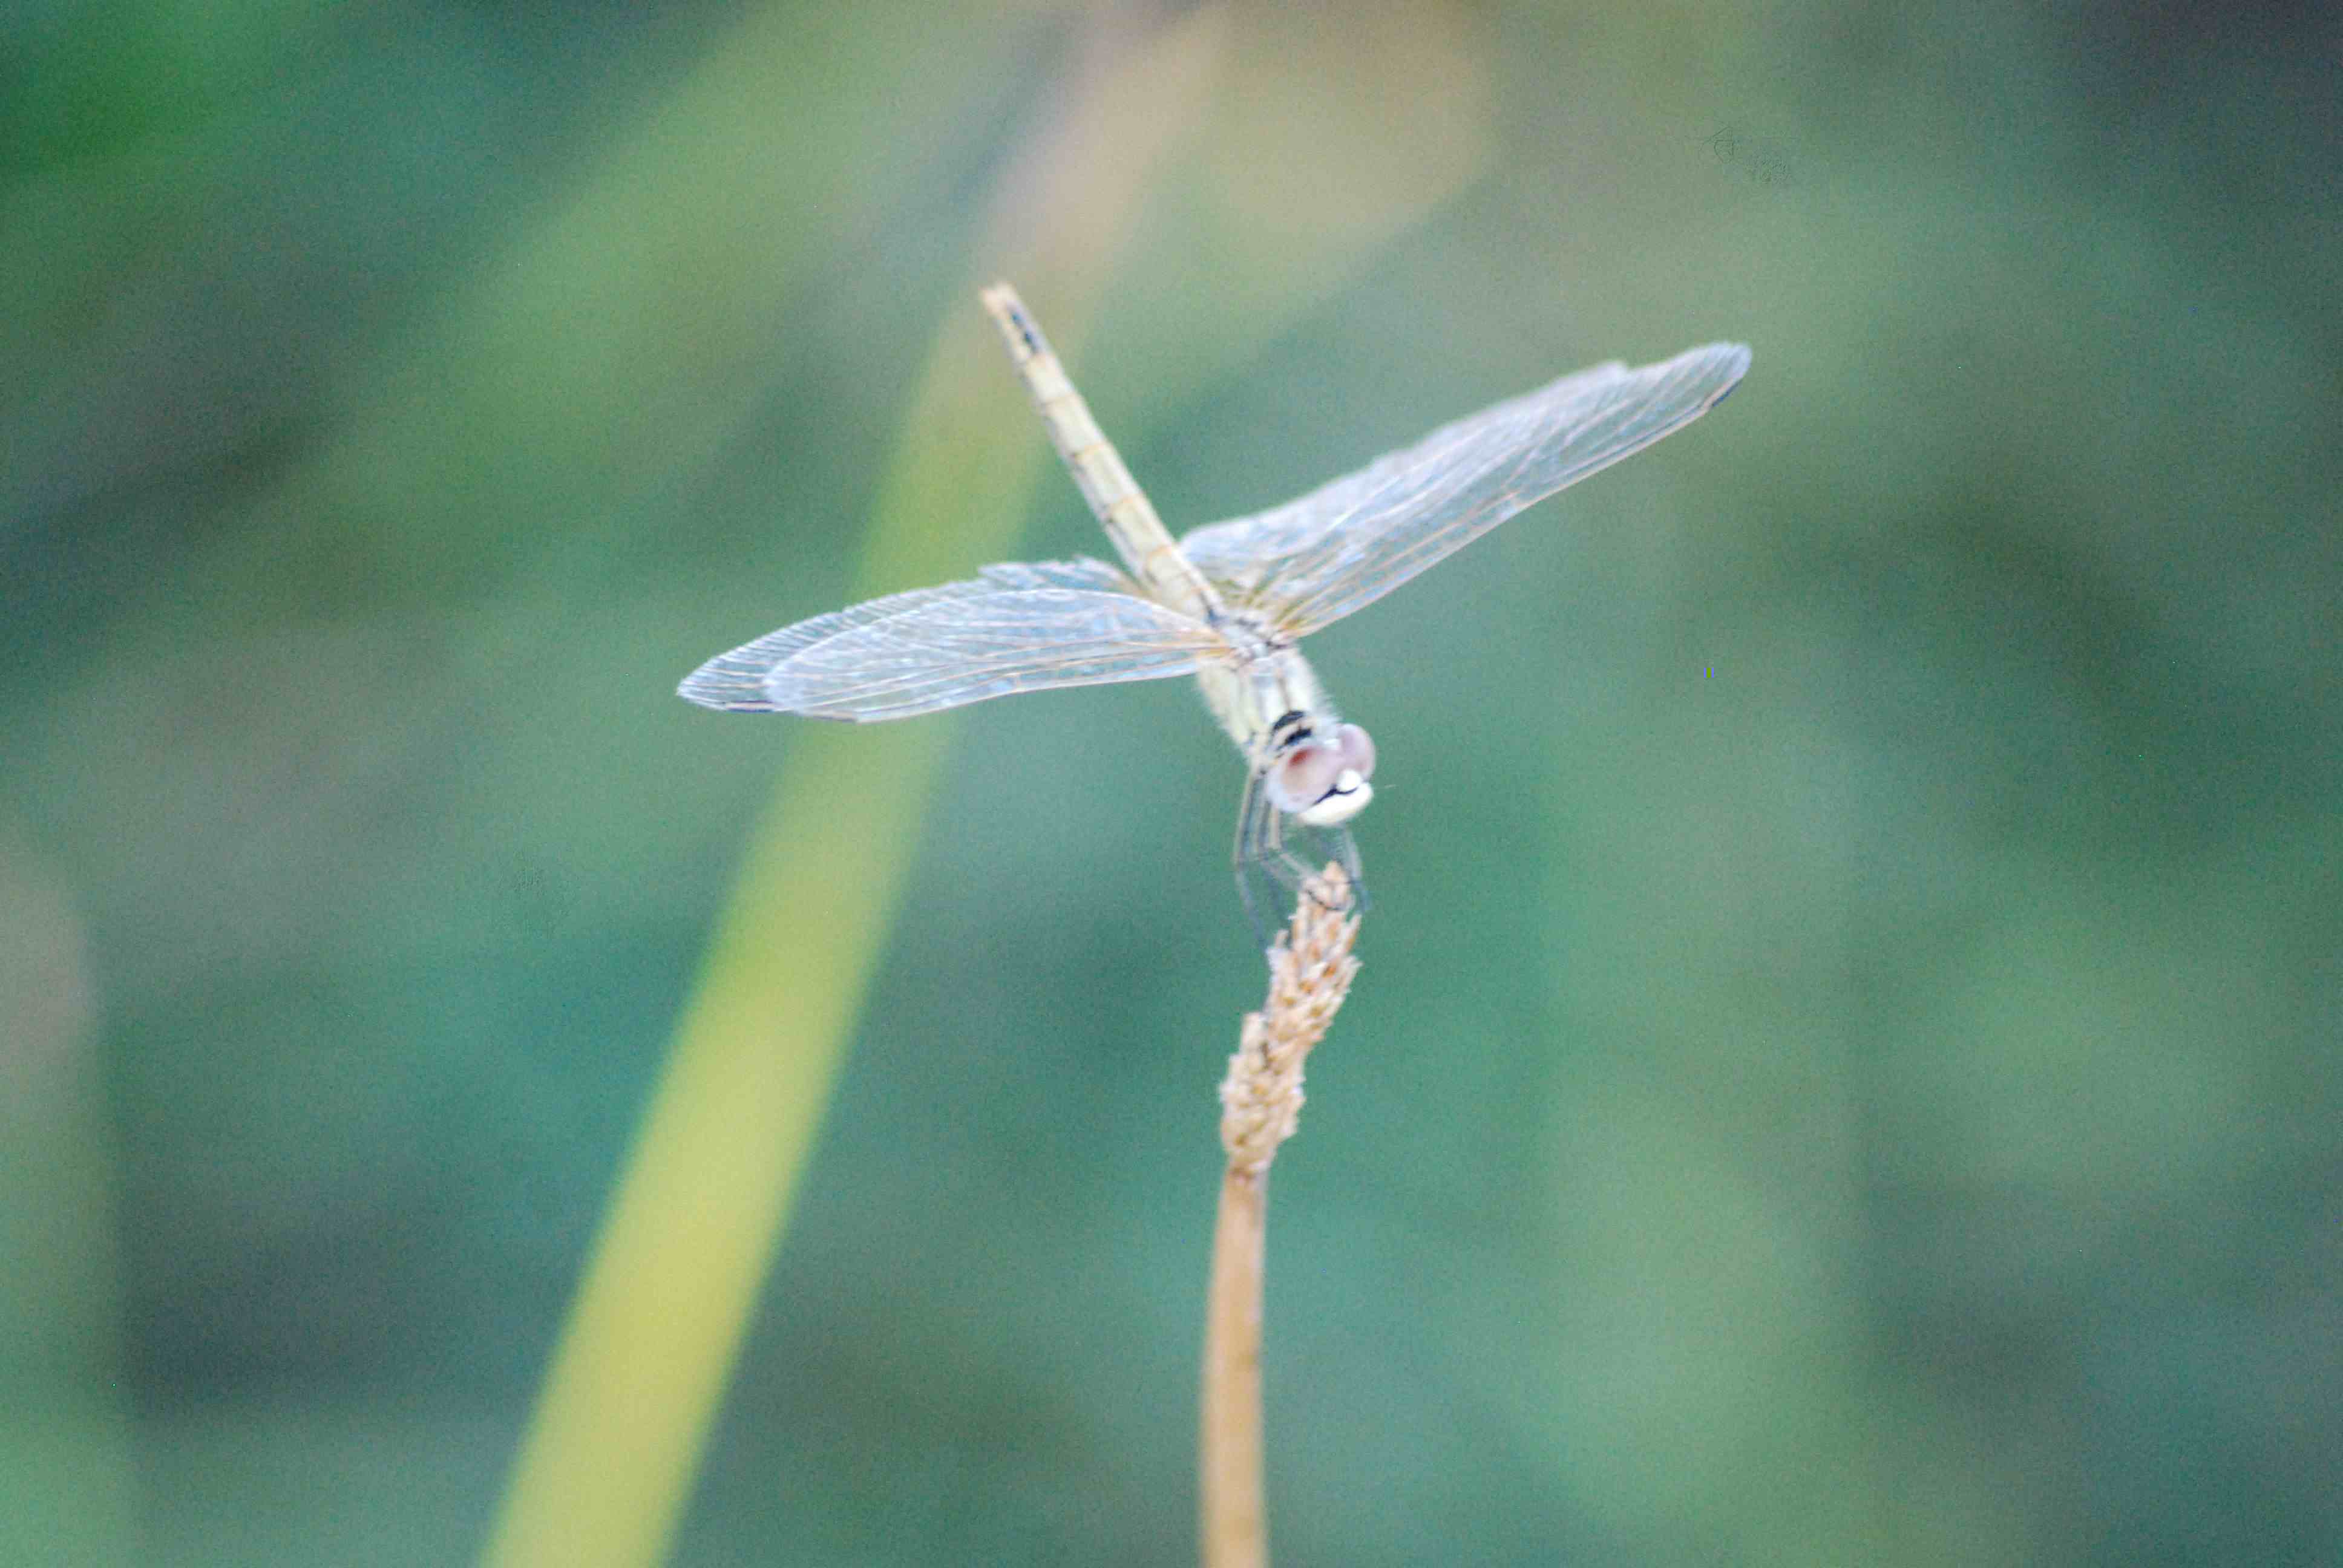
1115 499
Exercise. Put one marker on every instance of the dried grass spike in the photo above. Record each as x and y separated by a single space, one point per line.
1310 973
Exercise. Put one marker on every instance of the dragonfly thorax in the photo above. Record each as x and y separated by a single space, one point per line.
1267 698
1310 764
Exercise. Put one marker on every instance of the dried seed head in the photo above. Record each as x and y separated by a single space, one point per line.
1310 973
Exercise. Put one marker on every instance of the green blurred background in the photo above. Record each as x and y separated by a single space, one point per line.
1844 1068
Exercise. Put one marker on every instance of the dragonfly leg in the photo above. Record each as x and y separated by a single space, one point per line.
1337 845
1275 856
1251 828
1268 874
1263 852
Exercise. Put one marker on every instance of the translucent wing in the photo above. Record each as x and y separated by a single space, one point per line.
1013 629
1348 543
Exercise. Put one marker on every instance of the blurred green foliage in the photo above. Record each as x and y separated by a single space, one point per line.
1845 1067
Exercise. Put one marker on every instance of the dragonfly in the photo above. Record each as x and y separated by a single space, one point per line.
1226 603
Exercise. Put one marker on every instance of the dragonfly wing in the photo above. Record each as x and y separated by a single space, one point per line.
1013 629
1348 543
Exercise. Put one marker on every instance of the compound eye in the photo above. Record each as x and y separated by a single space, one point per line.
1358 751
1301 778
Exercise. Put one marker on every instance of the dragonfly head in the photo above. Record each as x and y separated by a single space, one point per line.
1323 783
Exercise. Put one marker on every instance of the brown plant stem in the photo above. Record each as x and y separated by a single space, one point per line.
1234 1519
